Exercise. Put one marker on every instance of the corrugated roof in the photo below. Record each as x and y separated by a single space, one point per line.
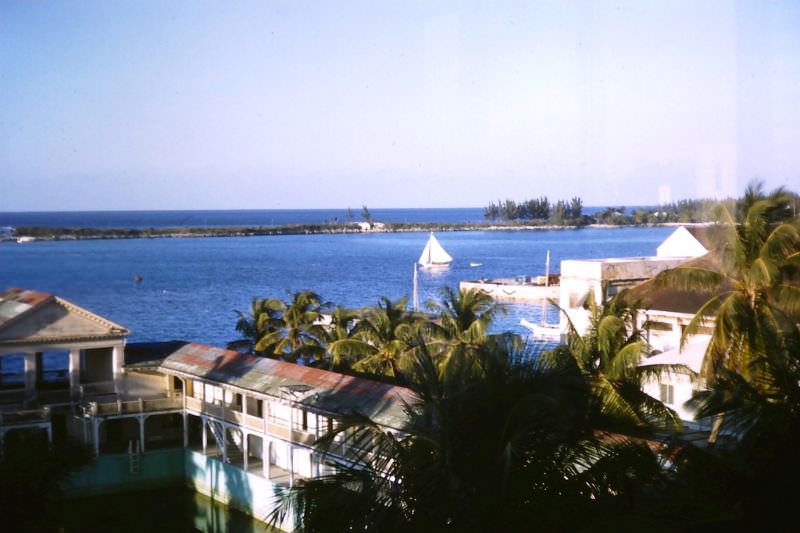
320 389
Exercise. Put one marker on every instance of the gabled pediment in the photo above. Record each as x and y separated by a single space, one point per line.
53 320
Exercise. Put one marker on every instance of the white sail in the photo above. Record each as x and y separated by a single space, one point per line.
433 254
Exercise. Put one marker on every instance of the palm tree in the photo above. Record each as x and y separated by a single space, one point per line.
754 296
607 357
342 323
461 327
752 366
301 333
379 341
499 451
781 202
265 317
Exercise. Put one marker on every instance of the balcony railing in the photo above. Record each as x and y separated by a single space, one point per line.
24 416
120 407
276 427
234 416
254 422
303 437
12 395
97 388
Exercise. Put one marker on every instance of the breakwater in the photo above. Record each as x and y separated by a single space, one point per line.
72 234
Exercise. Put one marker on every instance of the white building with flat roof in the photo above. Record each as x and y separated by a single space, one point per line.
604 279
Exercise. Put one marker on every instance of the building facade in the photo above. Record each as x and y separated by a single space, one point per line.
247 424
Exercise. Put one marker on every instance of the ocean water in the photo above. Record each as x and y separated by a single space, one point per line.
192 287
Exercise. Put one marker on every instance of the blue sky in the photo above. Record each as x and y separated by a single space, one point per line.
269 104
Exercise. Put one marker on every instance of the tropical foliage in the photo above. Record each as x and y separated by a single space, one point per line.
536 209
289 331
379 341
501 438
752 367
606 357
754 296
502 447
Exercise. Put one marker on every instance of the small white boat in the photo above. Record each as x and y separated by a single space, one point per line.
474 264
542 331
23 240
551 332
433 255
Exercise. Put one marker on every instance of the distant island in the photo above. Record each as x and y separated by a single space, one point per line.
64 234
570 213
504 215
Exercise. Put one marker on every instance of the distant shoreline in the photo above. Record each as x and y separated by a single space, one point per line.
71 234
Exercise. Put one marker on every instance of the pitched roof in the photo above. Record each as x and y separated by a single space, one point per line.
15 302
656 297
321 389
33 317
708 235
691 355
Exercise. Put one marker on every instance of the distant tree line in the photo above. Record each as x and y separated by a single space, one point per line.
686 211
540 209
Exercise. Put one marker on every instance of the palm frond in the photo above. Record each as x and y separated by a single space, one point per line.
695 279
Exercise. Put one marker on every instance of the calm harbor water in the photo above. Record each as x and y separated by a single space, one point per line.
191 287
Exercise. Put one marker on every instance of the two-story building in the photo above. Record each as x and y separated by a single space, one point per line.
235 427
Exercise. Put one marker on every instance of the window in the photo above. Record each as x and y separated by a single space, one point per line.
667 393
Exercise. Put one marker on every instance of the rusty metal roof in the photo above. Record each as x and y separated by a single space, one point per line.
319 389
33 317
16 302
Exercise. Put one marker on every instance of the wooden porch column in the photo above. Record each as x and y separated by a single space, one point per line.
117 361
291 465
224 442
141 420
245 448
265 456
96 435
185 425
30 378
204 435
74 374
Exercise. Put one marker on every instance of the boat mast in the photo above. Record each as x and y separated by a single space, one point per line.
546 286
415 297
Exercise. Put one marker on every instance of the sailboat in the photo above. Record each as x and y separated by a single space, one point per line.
544 330
433 255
